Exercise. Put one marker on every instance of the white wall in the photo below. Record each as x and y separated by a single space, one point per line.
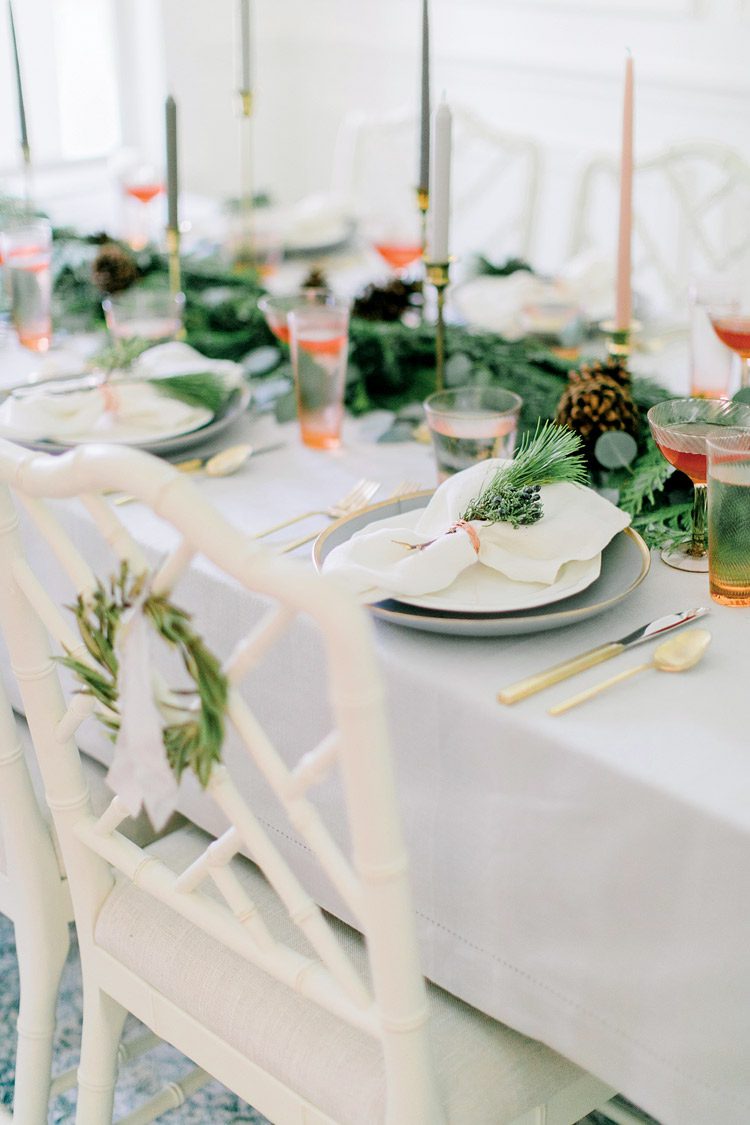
550 69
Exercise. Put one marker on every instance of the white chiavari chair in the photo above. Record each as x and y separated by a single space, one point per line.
495 174
689 208
231 960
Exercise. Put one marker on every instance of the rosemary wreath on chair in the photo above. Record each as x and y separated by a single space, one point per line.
193 738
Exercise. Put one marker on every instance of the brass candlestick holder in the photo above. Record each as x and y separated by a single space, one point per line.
438 275
423 203
620 340
246 248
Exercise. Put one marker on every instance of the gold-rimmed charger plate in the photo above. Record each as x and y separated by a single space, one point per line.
625 563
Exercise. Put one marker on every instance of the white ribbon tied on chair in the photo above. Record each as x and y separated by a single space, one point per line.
140 774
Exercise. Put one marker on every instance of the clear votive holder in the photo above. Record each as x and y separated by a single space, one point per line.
319 341
729 518
27 256
144 314
471 424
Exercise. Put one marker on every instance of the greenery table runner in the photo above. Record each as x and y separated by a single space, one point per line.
391 363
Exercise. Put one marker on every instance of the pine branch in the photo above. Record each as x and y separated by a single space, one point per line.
206 389
651 473
551 455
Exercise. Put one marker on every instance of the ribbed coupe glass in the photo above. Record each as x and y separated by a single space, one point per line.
681 427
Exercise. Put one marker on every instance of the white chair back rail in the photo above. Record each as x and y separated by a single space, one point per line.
373 882
689 208
495 176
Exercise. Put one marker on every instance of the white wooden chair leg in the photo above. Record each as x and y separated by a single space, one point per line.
103 1020
40 965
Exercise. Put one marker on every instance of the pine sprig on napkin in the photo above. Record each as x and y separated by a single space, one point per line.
206 389
553 454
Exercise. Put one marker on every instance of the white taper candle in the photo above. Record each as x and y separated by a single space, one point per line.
440 184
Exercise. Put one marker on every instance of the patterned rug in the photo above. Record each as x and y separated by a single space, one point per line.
138 1080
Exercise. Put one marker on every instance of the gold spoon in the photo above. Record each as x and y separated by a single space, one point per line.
679 653
221 464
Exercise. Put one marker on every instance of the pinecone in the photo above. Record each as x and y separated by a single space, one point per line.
388 302
598 399
315 279
113 269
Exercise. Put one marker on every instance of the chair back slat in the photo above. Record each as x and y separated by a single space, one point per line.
114 534
73 563
253 647
173 568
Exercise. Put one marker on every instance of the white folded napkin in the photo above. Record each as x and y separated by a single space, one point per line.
118 412
497 304
577 524
175 358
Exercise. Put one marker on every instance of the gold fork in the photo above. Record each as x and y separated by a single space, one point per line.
358 497
406 488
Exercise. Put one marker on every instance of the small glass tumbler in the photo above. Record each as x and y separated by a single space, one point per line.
319 340
729 518
27 254
471 424
144 314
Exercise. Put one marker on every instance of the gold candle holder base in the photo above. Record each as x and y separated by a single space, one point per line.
438 275
620 340
246 103
423 203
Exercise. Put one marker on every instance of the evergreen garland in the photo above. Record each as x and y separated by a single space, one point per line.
391 364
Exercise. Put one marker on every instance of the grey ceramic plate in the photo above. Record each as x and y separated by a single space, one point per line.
625 563
236 405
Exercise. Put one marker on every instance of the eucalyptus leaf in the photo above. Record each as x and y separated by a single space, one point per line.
261 360
457 369
615 449
285 407
742 395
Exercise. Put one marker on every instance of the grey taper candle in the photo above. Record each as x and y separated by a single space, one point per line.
19 85
424 134
245 77
172 177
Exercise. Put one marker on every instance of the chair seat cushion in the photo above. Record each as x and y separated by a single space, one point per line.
488 1073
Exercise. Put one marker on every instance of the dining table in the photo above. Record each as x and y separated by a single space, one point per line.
583 878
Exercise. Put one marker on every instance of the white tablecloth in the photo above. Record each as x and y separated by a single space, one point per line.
585 879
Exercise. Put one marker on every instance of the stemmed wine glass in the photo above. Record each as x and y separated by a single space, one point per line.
397 238
729 314
680 427
142 185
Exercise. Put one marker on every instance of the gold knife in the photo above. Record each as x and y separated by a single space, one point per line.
532 684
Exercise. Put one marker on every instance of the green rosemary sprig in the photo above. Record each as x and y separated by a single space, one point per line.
195 741
550 455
